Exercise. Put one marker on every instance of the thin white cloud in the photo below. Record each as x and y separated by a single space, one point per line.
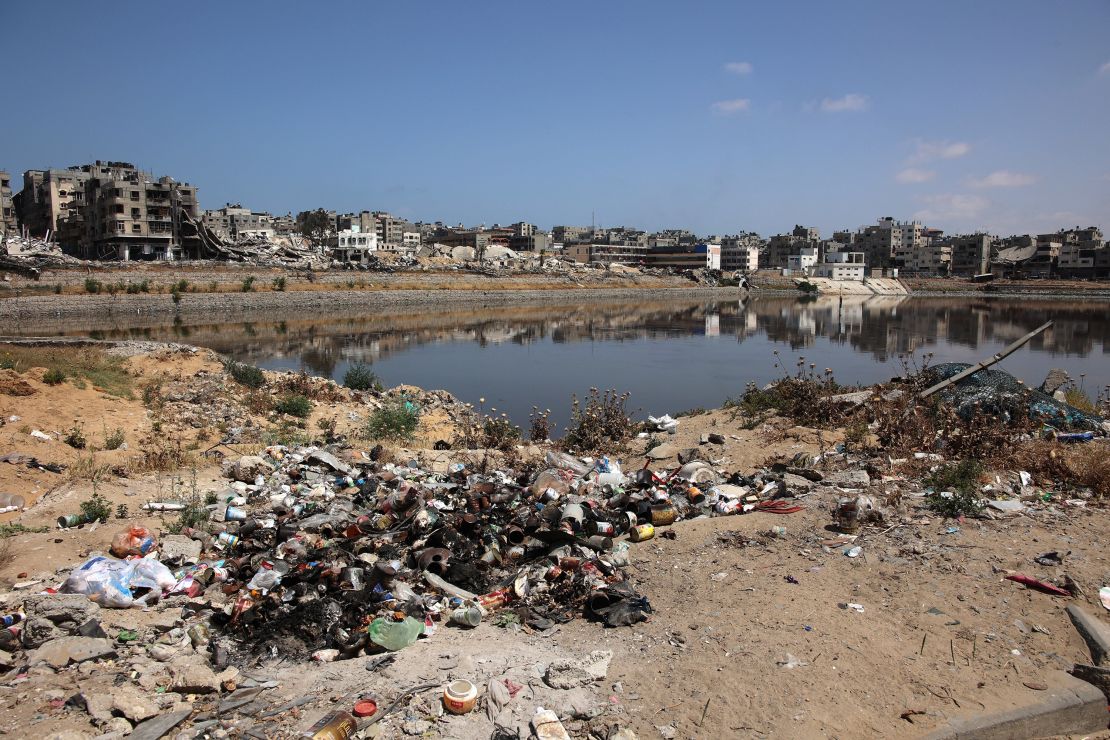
1002 179
739 68
850 102
1104 69
951 207
912 175
736 105
926 151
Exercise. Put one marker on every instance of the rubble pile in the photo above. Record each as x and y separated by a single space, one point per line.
28 256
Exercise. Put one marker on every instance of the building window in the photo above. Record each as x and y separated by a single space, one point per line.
136 229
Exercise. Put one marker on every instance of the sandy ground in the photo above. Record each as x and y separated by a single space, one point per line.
747 639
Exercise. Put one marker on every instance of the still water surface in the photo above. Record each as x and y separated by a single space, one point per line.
671 356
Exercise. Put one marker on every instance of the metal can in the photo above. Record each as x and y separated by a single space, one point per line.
641 532
663 515
228 539
603 528
382 522
70 520
198 634
467 616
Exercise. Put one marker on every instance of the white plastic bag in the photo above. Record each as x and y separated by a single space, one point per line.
111 583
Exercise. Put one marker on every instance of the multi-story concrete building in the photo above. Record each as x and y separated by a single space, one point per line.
571 234
49 198
971 253
537 241
740 252
781 246
353 246
7 206
284 225
111 210
803 261
605 253
233 222
842 266
130 215
686 257
390 229
931 259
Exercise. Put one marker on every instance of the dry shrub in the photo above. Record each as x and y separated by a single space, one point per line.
1079 465
601 424
159 453
311 387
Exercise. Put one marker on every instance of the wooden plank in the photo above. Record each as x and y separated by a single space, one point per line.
1006 352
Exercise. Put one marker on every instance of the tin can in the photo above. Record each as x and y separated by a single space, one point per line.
641 532
663 515
494 599
627 521
603 528
70 520
695 495
9 619
198 634
601 542
467 616
228 539
382 522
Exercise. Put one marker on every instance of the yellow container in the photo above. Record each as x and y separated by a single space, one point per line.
460 696
641 532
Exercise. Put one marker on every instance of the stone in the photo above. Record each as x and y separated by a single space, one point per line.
177 548
53 615
194 678
689 455
156 727
247 468
716 439
65 650
1055 380
569 674
848 479
1094 632
133 705
662 452
326 458
116 727
796 484
99 706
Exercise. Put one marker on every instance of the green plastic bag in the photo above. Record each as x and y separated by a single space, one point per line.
395 635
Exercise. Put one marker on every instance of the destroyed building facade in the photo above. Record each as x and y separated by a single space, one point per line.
7 207
110 210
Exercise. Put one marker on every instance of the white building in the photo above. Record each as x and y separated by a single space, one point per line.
351 245
843 266
803 261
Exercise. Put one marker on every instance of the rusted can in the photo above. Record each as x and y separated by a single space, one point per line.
627 521
382 522
570 563
601 542
641 532
663 515
695 495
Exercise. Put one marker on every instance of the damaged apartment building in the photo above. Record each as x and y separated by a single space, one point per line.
111 211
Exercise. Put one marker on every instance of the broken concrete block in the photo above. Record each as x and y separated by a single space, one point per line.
65 650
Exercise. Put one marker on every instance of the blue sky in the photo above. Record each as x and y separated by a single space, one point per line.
715 116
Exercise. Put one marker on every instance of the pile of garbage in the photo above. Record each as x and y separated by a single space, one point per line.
998 393
307 555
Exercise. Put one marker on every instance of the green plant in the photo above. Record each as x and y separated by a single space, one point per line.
114 440
1078 398
539 425
248 284
213 287
294 405
279 283
54 376
395 421
246 375
326 424
601 424
10 529
92 285
96 508
955 489
121 511
75 438
499 433
360 377
855 434
175 295
194 514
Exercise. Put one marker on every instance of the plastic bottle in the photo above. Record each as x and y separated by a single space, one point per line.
335 726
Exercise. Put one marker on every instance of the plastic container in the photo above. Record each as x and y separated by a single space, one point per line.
395 635
460 696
